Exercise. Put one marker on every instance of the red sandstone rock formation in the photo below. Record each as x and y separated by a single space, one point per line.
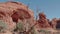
55 23
58 24
43 22
12 12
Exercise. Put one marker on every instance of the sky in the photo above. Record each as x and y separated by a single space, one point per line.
50 7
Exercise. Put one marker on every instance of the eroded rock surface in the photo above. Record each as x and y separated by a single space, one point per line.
12 12
43 22
55 23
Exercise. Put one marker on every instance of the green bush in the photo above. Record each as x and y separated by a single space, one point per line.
33 31
20 27
3 26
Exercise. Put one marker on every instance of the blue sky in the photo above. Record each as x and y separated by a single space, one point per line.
50 7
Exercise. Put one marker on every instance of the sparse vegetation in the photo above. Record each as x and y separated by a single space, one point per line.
33 31
3 26
20 26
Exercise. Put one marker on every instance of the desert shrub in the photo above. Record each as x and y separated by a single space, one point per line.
20 27
33 31
3 26
45 31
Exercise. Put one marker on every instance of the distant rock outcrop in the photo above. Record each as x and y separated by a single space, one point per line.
55 23
43 22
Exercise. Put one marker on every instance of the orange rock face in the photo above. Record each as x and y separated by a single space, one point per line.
12 12
55 23
43 22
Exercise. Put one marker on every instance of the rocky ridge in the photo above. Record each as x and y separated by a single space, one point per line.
13 12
